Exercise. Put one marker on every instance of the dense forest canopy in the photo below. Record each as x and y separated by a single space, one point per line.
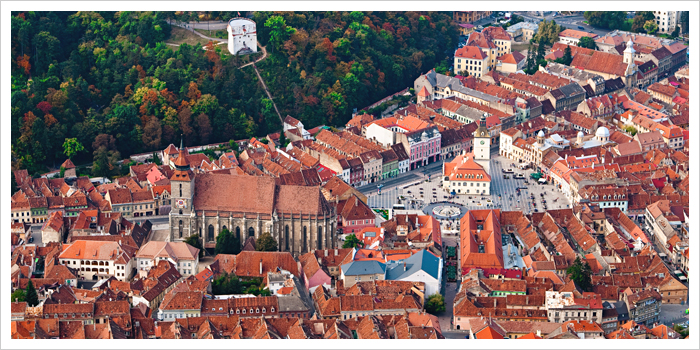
108 81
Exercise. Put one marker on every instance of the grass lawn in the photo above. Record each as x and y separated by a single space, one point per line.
221 34
180 36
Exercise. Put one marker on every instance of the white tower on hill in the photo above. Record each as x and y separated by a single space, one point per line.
242 36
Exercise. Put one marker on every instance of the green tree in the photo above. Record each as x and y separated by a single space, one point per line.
13 186
567 58
675 32
638 24
435 304
18 296
105 156
71 147
605 19
195 242
580 273
47 47
352 241
283 139
631 129
279 31
587 42
233 145
227 243
31 297
683 331
62 172
226 284
530 63
266 243
651 27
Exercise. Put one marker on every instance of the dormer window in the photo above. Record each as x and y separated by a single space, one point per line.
257 311
272 309
251 310
263 310
243 311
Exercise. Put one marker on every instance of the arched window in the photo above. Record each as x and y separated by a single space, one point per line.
319 236
286 237
238 233
251 232
304 240
210 233
180 211
223 228
180 190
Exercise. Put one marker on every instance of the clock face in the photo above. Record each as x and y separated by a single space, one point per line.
483 142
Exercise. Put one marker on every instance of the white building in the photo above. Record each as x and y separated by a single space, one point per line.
506 138
463 175
184 256
242 36
96 260
385 136
667 20
293 123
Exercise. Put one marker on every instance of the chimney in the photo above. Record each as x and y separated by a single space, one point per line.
336 252
539 333
320 261
527 299
325 251
494 303
404 266
261 266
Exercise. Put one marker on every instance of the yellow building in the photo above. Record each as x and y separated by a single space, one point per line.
470 16
472 60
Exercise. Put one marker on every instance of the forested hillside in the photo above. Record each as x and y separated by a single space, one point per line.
107 82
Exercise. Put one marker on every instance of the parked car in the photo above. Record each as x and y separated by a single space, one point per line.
582 28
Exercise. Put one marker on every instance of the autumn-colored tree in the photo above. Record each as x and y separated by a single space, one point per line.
204 128
152 133
193 92
23 62
105 155
185 119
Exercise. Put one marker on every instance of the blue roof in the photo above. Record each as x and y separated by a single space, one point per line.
422 260
363 267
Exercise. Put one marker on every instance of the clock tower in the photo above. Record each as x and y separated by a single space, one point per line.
482 145
181 195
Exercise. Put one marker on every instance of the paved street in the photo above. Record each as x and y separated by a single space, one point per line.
509 200
571 22
670 314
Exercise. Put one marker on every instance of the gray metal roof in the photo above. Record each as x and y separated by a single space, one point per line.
526 25
364 267
422 260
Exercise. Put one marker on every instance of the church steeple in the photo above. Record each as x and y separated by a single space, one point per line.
181 162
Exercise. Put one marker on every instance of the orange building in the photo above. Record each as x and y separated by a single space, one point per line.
480 235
